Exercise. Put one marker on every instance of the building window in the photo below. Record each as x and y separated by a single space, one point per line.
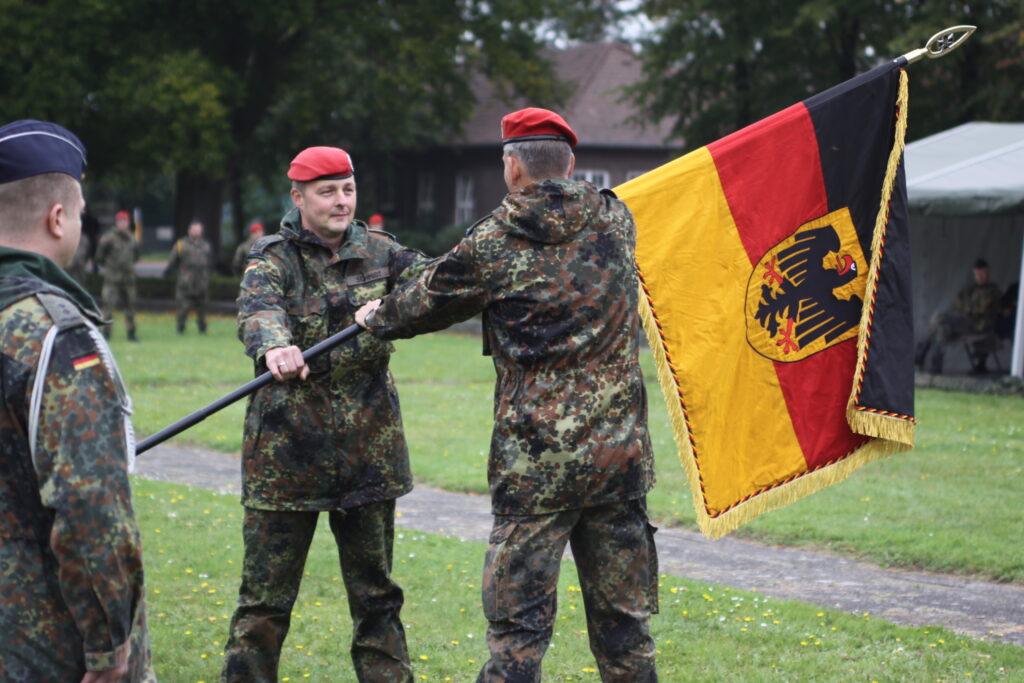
425 196
599 178
465 207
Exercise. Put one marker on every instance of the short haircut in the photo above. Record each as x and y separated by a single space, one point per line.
542 158
299 185
23 202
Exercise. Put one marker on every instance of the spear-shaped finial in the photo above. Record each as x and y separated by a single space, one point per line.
941 44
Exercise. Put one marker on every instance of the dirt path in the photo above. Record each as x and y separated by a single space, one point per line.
976 608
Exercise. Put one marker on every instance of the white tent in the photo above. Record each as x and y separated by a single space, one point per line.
966 192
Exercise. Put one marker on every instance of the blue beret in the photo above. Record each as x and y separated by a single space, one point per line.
29 148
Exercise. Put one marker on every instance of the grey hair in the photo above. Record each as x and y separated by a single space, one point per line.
542 158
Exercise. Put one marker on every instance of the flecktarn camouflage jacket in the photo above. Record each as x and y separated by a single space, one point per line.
334 440
552 270
71 580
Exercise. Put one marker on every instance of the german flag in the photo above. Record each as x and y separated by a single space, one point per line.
775 268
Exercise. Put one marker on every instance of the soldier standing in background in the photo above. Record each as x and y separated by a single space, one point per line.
116 255
192 260
242 252
552 271
325 437
72 601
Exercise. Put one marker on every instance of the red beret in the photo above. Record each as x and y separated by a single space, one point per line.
376 218
255 226
121 214
321 163
535 123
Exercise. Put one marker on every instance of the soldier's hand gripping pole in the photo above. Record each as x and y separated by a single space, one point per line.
241 392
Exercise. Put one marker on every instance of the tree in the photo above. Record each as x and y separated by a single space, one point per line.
215 93
720 66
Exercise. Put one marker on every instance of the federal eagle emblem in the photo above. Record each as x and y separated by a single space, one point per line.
806 293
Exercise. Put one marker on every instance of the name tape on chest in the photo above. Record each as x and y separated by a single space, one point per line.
368 276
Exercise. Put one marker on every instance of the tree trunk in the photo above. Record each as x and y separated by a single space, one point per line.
200 197
237 205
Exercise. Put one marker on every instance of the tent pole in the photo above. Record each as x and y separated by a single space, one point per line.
1017 355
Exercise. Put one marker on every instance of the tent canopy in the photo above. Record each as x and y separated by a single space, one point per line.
974 169
965 188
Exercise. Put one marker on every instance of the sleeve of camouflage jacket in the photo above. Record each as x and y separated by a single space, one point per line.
447 290
172 261
262 318
82 470
101 252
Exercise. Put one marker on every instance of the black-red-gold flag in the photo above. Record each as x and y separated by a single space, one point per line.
775 265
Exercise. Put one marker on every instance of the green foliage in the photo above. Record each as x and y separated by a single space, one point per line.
949 505
193 556
720 66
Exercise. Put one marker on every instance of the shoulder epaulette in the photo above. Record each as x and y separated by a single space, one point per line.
382 232
65 314
260 245
470 229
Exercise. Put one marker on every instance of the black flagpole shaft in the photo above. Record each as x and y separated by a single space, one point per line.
241 392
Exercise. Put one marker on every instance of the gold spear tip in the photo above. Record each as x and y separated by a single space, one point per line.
942 43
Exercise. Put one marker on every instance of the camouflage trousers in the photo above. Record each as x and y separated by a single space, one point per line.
613 546
119 294
276 545
191 302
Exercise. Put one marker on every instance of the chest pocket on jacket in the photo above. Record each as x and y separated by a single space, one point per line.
307 317
366 286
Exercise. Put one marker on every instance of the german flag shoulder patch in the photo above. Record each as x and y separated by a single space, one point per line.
86 361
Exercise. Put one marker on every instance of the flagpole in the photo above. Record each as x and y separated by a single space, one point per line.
241 392
940 44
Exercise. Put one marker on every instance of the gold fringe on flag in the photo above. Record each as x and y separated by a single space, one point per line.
887 426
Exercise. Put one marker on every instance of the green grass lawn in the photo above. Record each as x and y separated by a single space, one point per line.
953 504
193 548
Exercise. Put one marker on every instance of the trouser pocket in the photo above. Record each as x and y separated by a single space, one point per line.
496 584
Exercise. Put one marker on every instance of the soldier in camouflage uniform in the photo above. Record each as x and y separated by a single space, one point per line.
71 582
116 254
552 271
326 436
974 314
192 259
241 256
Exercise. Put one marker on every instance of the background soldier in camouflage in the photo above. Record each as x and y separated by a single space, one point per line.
71 584
552 271
241 256
326 436
116 254
974 313
192 259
